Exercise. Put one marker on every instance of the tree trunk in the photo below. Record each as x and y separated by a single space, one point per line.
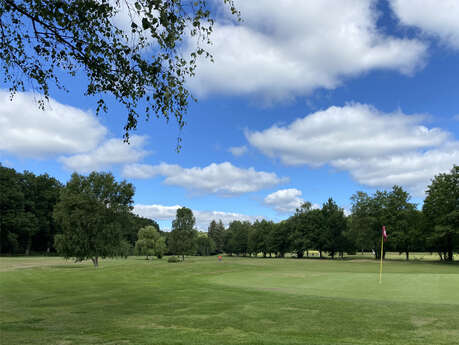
300 254
450 254
183 257
307 253
95 261
407 255
320 254
29 245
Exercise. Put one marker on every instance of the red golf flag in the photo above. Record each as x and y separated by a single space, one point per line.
384 233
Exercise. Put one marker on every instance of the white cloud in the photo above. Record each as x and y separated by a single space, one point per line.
433 17
113 151
238 150
285 200
27 131
287 48
413 170
377 149
353 131
203 218
223 179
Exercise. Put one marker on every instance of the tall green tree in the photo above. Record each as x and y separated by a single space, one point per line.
335 225
182 237
403 221
441 210
205 245
150 242
141 65
279 238
11 210
239 236
26 207
216 232
369 214
90 212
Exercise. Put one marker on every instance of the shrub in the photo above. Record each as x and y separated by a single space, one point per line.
173 259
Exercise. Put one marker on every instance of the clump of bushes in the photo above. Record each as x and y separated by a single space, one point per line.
173 259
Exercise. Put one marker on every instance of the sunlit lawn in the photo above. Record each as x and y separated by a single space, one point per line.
236 301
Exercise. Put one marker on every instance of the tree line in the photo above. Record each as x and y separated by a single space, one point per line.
36 211
91 217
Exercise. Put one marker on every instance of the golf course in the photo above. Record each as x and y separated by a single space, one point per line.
238 300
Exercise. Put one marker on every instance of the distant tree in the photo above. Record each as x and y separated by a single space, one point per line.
182 237
41 194
133 223
403 221
150 242
315 224
11 210
228 242
216 233
90 213
335 225
279 238
255 239
26 207
300 236
441 211
239 236
205 245
368 216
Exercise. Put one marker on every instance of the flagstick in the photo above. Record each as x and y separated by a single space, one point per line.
381 256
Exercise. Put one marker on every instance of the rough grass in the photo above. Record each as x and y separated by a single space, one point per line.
236 301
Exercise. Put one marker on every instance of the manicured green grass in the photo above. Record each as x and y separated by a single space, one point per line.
236 301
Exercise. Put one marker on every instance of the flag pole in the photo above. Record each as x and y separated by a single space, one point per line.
381 256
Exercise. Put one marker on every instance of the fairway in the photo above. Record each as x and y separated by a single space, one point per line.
236 301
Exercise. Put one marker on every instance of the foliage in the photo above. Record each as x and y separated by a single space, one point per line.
238 237
142 63
441 210
90 213
150 242
26 205
173 259
216 233
335 226
182 237
205 245
132 224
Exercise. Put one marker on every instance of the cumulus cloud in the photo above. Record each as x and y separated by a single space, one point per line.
27 131
203 218
433 17
414 170
224 179
111 152
378 149
238 150
285 200
353 131
288 48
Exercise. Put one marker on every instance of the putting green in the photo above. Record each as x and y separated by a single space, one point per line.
402 287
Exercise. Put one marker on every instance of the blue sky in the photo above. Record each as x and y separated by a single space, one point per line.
305 101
